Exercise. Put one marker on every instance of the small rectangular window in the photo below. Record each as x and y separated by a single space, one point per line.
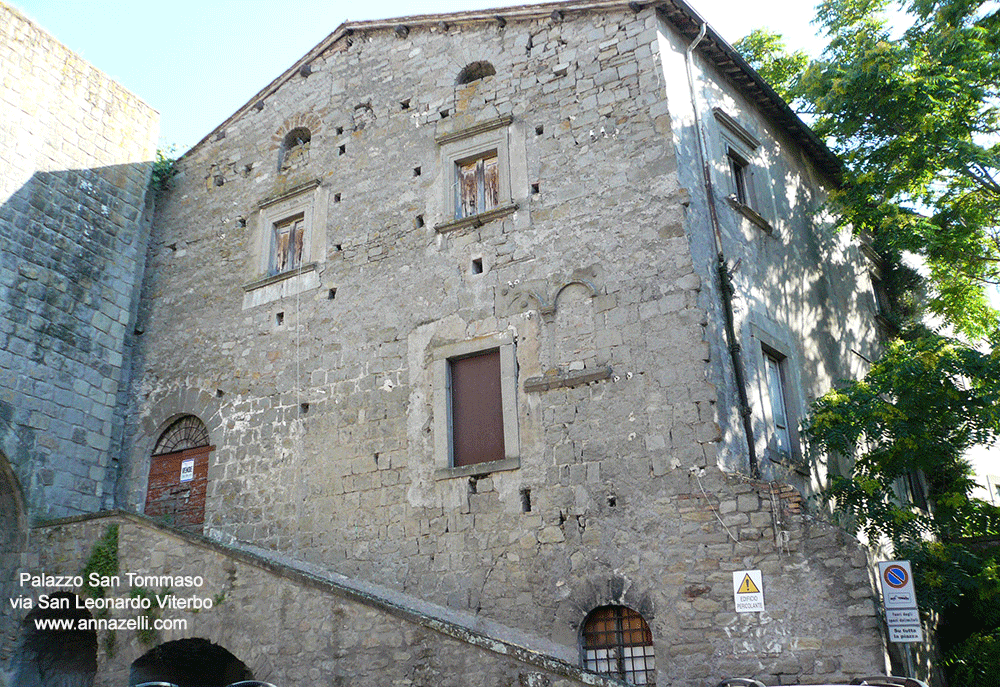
780 439
739 169
476 409
286 245
477 185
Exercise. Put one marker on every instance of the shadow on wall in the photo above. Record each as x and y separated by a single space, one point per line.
13 539
70 276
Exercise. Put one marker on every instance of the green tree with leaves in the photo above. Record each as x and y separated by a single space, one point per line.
912 107
767 53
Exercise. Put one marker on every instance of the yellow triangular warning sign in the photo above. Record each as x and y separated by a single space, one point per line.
747 586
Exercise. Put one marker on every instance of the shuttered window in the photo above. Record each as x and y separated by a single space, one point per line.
287 245
781 439
477 186
476 409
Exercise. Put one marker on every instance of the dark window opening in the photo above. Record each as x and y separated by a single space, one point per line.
416 171
617 641
477 265
539 130
526 500
418 221
294 149
739 169
331 294
474 72
476 409
534 189
279 319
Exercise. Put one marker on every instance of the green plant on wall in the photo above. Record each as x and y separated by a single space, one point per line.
103 560
163 170
148 635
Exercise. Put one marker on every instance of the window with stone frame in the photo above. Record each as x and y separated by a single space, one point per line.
617 641
746 177
475 407
477 175
780 436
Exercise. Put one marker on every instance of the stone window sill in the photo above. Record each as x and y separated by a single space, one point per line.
477 468
751 215
476 220
275 278
793 462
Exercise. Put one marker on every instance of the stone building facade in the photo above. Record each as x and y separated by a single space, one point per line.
441 311
75 154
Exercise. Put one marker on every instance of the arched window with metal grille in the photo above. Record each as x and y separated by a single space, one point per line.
617 641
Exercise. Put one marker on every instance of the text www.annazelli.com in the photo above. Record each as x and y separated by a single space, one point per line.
141 622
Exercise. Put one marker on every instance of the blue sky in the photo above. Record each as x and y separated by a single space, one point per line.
197 61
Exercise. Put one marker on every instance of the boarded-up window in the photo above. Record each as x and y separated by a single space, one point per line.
617 641
286 246
178 475
477 185
476 409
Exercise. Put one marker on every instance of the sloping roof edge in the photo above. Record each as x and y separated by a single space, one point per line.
681 15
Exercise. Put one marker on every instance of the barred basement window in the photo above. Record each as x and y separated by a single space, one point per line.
617 641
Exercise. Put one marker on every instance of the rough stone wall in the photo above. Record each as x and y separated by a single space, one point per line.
75 149
303 631
801 287
318 389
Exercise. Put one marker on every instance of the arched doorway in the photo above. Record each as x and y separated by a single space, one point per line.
57 647
178 475
193 662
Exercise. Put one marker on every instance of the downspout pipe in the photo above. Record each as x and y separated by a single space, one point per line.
722 270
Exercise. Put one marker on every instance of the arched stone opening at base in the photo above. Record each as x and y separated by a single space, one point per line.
192 662
13 537
56 657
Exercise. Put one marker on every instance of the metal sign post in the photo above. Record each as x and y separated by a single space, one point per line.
899 600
